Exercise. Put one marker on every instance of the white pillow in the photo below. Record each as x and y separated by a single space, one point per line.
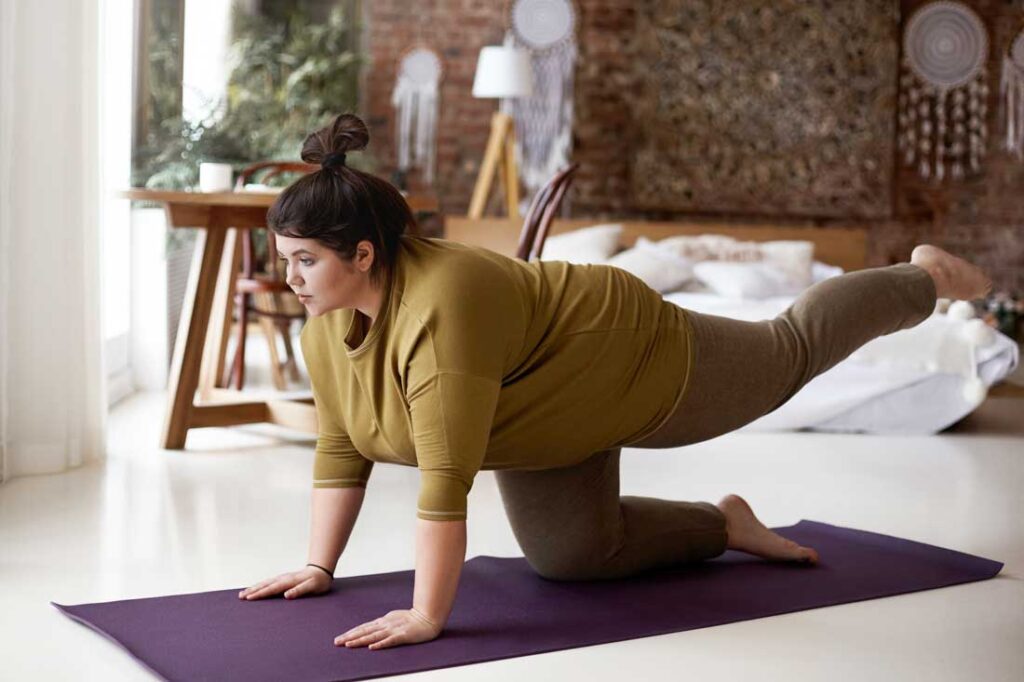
794 257
711 247
586 245
660 269
822 271
745 280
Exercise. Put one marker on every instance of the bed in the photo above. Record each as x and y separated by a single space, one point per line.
916 381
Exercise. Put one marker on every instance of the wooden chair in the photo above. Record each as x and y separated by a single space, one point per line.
542 211
259 288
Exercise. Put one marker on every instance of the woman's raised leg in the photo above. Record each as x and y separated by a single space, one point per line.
743 370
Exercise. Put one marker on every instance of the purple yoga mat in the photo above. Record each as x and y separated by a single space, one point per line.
504 609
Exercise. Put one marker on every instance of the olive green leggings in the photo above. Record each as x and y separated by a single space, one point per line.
571 522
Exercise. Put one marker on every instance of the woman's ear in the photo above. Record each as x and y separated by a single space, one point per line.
364 255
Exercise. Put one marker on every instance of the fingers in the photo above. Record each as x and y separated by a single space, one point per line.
266 588
300 589
249 591
386 642
360 631
376 636
397 627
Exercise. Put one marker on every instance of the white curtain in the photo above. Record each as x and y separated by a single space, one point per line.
52 388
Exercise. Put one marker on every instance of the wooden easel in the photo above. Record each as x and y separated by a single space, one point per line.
500 156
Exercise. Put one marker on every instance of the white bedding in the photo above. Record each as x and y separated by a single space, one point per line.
902 383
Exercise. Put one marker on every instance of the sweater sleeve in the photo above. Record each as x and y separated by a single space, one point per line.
451 416
336 463
454 379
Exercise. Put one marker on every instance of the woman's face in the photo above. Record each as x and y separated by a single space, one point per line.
321 278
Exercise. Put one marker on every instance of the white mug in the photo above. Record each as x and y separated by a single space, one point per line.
215 177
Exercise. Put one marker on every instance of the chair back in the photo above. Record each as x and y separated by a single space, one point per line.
542 211
273 169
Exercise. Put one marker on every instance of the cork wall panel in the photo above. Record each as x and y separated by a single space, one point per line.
766 107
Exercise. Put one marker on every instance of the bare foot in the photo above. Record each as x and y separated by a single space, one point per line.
954 277
747 534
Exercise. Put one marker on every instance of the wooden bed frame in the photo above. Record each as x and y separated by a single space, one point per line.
842 246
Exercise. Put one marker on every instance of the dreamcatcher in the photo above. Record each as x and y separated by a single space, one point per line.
943 98
1012 91
415 99
544 121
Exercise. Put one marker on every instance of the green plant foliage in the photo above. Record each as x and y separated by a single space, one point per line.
289 73
287 78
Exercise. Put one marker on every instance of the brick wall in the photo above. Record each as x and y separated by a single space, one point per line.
982 218
457 29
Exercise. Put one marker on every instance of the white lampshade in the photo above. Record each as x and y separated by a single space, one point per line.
503 71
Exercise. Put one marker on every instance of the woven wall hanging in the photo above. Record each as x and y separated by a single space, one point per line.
1012 91
544 121
415 99
943 91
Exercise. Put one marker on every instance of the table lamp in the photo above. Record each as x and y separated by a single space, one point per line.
501 71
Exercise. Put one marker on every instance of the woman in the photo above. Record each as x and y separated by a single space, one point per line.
453 359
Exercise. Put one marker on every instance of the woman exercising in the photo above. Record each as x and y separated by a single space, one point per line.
452 358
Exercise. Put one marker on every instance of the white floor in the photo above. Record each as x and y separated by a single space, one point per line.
233 508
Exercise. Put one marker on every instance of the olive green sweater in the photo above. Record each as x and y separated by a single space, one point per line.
480 361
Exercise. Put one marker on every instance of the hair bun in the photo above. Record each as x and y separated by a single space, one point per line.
333 159
327 146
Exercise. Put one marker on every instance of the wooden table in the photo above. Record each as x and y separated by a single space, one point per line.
200 347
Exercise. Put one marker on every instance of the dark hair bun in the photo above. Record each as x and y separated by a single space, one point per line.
345 133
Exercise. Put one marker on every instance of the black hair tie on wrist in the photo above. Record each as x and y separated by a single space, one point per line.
322 569
333 159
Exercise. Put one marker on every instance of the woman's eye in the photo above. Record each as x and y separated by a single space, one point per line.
305 261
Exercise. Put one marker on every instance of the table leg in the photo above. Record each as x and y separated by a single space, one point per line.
188 346
212 372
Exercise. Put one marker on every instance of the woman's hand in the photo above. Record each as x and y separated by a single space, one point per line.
309 580
397 627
